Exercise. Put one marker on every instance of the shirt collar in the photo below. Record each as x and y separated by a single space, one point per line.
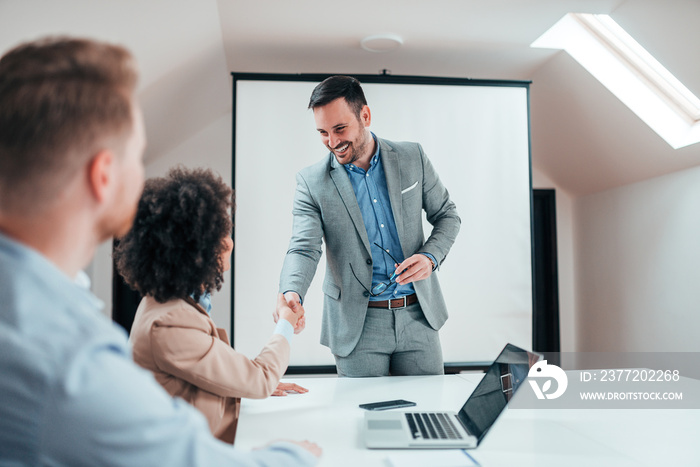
34 260
205 302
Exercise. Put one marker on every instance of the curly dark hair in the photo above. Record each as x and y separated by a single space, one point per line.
173 249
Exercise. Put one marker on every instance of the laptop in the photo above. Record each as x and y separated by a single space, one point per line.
449 430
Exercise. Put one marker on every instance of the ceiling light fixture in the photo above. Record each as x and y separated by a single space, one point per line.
380 43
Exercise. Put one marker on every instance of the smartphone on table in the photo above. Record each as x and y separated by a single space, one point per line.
386 405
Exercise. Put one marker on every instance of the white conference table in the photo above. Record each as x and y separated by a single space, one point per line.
329 415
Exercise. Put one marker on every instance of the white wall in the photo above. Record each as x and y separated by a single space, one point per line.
637 254
100 273
209 148
626 235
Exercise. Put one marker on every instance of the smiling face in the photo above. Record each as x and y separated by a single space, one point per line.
344 133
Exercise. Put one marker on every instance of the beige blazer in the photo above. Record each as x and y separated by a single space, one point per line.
192 359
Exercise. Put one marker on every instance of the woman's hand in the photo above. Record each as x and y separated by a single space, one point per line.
292 311
284 388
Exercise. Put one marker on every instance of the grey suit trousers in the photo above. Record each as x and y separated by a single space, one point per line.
396 342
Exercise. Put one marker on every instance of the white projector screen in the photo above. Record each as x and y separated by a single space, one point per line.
476 134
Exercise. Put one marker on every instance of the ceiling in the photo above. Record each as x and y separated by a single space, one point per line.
583 139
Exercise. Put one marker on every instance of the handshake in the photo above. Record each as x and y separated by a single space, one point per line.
289 307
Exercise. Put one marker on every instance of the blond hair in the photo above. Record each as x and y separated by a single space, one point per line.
61 101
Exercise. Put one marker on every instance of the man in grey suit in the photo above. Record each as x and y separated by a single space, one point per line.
383 305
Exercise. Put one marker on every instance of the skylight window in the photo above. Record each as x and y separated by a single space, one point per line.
623 66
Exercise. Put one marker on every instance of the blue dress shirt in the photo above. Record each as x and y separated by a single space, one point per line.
204 302
70 394
373 199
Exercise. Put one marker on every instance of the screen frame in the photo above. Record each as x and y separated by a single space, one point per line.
385 78
465 417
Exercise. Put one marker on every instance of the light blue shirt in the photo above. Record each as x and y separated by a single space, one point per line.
70 394
205 302
373 199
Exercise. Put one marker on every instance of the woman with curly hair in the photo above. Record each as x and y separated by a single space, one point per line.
175 256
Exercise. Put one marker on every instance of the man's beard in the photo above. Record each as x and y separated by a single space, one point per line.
355 152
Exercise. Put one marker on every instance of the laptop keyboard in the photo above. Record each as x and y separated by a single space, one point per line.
431 426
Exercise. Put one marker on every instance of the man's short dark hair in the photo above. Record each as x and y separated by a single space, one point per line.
61 100
338 86
174 247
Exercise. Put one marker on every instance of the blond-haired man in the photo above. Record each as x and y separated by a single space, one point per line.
71 143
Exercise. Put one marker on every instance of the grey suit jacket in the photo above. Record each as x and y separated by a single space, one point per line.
325 207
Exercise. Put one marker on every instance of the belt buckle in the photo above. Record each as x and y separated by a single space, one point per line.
398 307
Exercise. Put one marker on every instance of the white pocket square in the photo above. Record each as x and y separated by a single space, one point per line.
409 188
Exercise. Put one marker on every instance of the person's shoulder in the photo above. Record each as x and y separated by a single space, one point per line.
43 307
317 174
400 147
51 328
177 313
317 168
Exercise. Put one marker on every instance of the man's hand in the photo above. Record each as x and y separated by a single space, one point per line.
284 388
292 311
415 268
313 448
288 297
293 297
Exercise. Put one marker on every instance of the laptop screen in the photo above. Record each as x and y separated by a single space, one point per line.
501 380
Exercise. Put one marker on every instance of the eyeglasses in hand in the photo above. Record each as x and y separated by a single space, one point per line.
382 286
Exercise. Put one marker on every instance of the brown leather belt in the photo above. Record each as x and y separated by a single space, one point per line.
402 302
